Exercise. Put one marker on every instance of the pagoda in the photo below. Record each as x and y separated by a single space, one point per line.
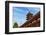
29 16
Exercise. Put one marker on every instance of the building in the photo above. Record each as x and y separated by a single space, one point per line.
32 21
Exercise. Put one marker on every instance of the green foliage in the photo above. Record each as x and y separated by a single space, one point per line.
15 25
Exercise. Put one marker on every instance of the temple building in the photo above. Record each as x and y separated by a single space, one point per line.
32 21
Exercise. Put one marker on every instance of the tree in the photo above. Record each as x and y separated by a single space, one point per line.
15 25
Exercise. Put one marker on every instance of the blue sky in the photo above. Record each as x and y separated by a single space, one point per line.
19 13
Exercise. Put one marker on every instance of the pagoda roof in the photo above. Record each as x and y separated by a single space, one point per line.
29 13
